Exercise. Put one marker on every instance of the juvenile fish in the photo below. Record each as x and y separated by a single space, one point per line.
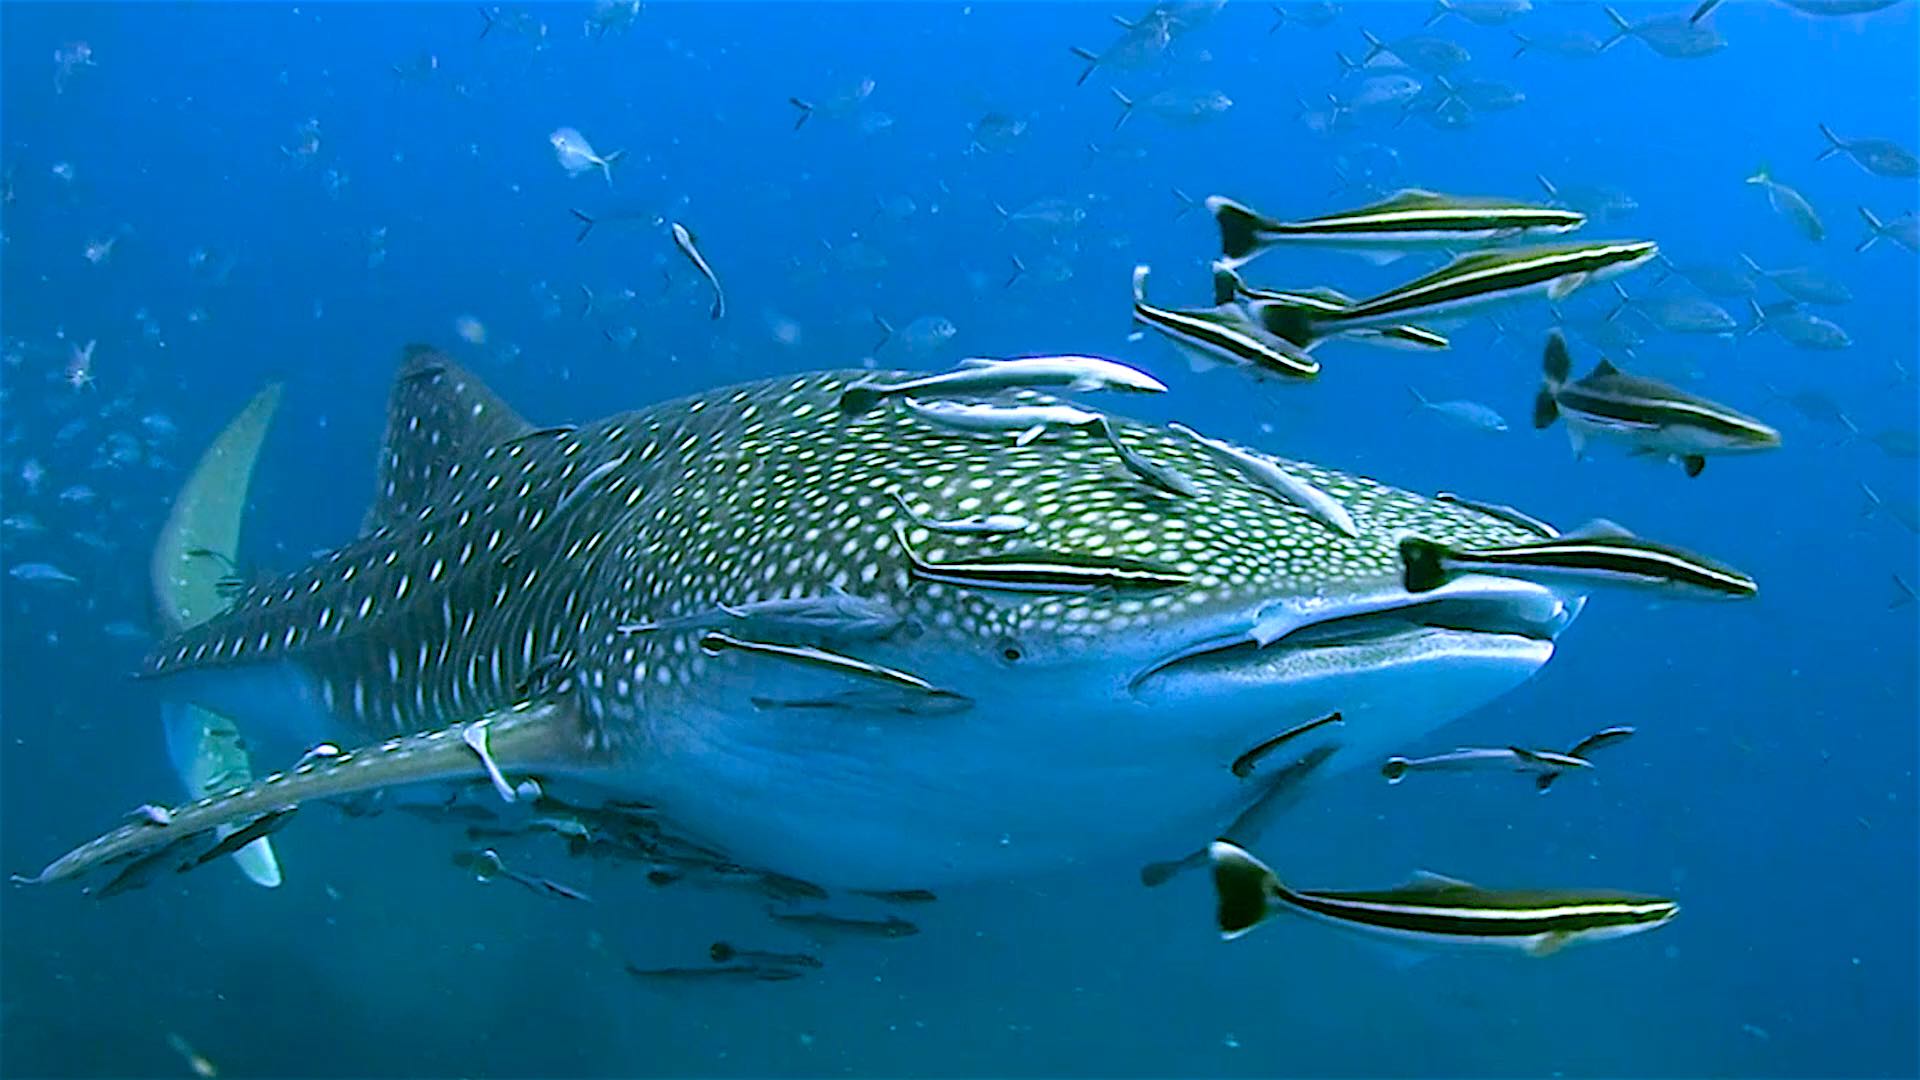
1790 204
576 155
1267 474
688 244
1433 910
1275 799
1465 413
1601 553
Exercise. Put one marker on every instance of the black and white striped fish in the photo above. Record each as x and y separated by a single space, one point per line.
1600 553
1647 415
1408 220
1435 910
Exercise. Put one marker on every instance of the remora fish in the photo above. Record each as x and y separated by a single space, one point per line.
1479 280
1599 554
399 643
1482 759
1280 794
983 376
1222 334
1410 220
1267 474
684 239
1648 415
1436 910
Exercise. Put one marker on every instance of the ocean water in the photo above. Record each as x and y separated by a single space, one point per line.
293 193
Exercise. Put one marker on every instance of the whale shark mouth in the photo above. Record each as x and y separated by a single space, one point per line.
1481 616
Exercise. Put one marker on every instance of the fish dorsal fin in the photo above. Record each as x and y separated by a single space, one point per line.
438 413
1599 529
1602 369
1407 198
1427 879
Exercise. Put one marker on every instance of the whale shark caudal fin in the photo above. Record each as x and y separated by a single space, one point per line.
199 547
437 415
513 740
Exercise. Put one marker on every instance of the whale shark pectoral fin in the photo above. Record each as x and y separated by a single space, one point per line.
519 738
207 753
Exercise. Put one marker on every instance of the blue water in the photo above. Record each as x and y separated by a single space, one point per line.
1770 788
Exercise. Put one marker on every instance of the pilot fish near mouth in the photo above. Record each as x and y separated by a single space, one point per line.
480 625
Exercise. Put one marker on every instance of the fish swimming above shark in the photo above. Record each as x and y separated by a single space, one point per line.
478 631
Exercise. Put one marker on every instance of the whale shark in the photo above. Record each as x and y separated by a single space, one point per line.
738 609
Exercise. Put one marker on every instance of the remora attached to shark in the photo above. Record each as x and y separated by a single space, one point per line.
475 629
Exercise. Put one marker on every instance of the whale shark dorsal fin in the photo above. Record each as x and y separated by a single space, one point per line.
437 414
521 738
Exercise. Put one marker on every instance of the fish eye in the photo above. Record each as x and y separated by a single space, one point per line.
1010 651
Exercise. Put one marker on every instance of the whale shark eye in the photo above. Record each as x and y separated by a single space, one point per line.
1010 650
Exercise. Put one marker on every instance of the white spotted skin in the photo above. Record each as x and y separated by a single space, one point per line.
767 491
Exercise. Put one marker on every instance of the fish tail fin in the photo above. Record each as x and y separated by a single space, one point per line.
1242 884
1705 9
518 738
1759 317
1902 596
586 301
206 748
1279 17
1419 399
859 397
1547 185
886 333
1834 145
1140 284
1374 46
1875 229
1524 43
1226 283
806 112
486 23
1186 201
1424 564
1002 211
1239 227
1441 9
1621 29
1761 175
586 224
1555 368
1395 770
607 163
1625 300
1873 503
1092 59
1019 268
1544 781
1126 106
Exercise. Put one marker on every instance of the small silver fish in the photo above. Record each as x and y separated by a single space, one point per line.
684 239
